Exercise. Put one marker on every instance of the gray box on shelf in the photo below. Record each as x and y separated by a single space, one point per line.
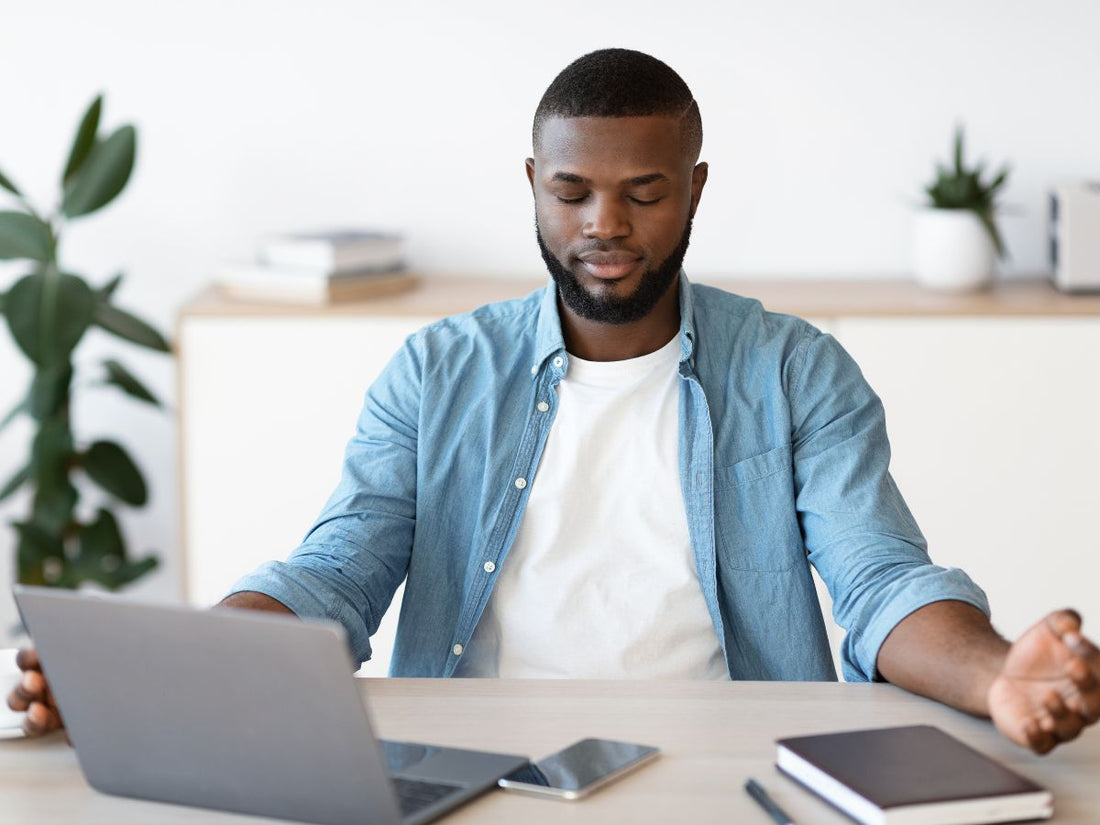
1074 232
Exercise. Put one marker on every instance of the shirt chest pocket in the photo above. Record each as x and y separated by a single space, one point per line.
756 526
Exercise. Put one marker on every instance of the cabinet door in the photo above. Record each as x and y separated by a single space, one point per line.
995 440
268 405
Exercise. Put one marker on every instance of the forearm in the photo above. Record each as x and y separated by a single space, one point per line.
251 600
947 651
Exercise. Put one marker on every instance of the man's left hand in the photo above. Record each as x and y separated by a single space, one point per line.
1049 688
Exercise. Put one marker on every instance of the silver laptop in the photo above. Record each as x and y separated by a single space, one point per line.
235 710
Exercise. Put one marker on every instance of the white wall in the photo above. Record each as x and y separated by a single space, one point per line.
822 121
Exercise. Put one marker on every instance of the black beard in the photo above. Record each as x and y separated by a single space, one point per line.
613 310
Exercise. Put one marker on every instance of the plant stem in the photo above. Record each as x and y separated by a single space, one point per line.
27 205
51 284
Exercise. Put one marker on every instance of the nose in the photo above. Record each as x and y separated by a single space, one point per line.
606 219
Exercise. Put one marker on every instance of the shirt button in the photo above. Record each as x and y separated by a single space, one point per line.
542 406
521 483
457 650
489 567
558 361
534 369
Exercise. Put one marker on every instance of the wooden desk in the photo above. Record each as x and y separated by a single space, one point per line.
713 735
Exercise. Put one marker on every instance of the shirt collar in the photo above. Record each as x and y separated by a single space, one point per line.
550 341
687 319
548 336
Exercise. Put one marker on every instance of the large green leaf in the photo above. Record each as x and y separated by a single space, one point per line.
102 557
102 538
48 315
109 466
7 184
107 571
15 482
53 507
103 175
129 327
101 553
130 571
105 292
34 548
125 380
50 389
24 236
84 140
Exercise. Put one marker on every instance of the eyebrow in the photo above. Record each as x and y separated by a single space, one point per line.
641 180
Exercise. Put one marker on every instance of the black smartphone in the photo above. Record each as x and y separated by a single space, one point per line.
579 769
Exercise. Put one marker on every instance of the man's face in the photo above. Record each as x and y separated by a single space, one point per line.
614 198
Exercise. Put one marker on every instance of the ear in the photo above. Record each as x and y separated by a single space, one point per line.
530 163
698 181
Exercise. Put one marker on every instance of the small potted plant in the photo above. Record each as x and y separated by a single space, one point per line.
956 240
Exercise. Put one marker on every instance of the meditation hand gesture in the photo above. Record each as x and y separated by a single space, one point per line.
1049 688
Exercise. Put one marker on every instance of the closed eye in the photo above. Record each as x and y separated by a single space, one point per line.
638 201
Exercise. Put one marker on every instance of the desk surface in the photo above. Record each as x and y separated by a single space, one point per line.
713 736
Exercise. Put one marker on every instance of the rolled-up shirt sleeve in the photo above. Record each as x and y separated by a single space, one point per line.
356 554
858 531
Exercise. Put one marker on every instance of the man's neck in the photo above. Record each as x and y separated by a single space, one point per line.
596 341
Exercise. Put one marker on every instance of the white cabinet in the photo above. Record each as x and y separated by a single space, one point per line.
991 403
994 428
270 403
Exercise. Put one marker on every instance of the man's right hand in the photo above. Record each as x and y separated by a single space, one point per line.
34 696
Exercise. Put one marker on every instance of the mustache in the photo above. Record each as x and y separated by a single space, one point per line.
593 245
602 246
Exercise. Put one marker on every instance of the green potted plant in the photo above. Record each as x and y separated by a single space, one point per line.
47 311
956 239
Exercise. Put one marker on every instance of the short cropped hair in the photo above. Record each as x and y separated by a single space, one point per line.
621 83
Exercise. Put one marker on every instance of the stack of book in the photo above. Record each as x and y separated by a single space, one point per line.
321 268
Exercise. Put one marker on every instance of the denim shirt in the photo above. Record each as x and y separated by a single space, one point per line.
784 463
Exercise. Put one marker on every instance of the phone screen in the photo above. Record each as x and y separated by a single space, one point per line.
581 764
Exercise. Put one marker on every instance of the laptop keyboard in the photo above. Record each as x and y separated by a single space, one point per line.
414 795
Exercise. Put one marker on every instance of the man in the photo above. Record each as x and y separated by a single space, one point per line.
625 475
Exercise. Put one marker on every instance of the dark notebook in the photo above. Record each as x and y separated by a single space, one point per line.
915 775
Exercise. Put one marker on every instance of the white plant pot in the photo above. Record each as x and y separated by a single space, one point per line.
952 250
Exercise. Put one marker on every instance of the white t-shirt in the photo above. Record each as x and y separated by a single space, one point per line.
601 581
